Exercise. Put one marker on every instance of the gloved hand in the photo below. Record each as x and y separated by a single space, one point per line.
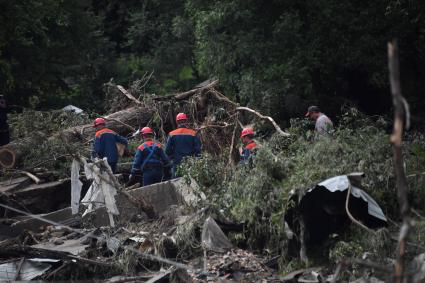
132 179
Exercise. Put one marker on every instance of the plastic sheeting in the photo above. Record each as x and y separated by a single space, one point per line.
76 186
101 192
72 108
322 208
213 237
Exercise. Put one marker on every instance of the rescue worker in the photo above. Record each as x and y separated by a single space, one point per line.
323 124
247 137
150 159
182 142
105 143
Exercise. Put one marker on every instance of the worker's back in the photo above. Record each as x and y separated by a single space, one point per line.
182 142
105 144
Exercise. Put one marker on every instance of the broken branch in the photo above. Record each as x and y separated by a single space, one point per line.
129 96
261 116
347 200
187 94
31 176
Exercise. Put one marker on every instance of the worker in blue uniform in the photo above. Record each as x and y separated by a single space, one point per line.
249 144
150 159
105 143
182 142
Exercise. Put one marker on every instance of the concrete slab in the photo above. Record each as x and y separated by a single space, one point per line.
32 224
161 196
12 185
73 246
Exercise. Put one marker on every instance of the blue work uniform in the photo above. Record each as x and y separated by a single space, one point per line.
182 142
247 152
150 159
105 145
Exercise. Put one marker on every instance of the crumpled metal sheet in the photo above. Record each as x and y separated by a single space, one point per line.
73 246
341 183
30 269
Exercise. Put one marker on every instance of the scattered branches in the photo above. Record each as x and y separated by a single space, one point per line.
347 262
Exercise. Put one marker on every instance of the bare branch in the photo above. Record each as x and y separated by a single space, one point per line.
276 126
122 123
225 125
187 94
396 140
129 96
350 188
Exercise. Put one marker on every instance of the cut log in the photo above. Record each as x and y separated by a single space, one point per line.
120 122
11 154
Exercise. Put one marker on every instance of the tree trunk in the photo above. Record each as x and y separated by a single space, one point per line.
122 122
11 154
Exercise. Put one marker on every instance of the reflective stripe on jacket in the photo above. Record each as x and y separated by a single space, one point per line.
105 144
247 151
156 160
182 142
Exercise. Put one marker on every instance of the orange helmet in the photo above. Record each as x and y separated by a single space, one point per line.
146 130
98 121
247 131
181 116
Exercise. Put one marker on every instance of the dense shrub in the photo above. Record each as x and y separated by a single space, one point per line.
257 193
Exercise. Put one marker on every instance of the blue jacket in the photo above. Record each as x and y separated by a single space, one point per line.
247 151
182 142
156 160
105 145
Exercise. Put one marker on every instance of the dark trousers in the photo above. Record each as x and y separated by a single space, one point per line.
152 176
4 137
113 166
174 170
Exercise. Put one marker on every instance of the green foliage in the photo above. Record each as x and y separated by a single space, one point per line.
276 56
42 146
281 55
343 250
257 193
51 51
31 122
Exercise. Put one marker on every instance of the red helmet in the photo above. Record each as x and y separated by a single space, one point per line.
247 131
146 130
98 121
181 116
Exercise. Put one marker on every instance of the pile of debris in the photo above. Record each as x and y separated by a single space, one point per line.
89 226
110 236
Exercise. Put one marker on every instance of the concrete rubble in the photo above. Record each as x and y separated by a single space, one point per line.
94 229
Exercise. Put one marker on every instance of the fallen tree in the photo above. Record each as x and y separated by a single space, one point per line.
122 122
214 116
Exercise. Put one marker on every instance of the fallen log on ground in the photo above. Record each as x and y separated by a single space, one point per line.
12 153
123 122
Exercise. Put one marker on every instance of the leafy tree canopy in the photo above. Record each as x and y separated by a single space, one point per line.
277 56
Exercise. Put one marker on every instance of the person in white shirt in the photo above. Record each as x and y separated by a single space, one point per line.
323 124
